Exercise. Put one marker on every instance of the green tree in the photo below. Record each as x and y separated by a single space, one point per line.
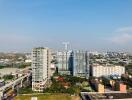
8 77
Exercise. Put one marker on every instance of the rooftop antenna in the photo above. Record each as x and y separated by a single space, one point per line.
66 45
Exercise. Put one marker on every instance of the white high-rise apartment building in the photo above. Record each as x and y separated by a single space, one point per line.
40 68
105 70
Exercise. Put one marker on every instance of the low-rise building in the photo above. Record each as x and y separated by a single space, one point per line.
100 88
105 70
120 87
97 85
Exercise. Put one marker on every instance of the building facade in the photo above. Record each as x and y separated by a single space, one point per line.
65 62
105 70
81 64
40 68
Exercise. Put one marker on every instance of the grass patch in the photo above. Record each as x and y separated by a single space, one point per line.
48 97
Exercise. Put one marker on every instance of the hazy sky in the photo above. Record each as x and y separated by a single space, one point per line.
86 24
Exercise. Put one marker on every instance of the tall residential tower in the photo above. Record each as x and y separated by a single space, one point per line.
65 62
81 64
41 59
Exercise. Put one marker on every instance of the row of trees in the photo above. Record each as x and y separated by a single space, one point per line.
58 86
24 65
25 90
1 66
129 68
74 79
8 77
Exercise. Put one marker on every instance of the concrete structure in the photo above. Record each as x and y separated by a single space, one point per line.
14 85
105 70
81 64
65 62
106 96
41 59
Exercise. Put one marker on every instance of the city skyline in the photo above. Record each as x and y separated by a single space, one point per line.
91 25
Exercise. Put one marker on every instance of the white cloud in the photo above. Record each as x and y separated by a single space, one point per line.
124 30
123 36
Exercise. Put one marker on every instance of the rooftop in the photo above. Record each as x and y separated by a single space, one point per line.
110 96
105 65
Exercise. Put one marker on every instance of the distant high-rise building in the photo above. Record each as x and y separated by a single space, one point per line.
41 59
81 64
65 62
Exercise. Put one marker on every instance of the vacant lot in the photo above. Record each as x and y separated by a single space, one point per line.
48 97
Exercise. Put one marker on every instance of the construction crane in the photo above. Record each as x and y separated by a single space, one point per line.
66 45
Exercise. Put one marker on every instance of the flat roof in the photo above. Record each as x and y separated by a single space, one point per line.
109 96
